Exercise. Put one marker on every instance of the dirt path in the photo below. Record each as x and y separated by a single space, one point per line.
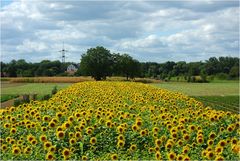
9 102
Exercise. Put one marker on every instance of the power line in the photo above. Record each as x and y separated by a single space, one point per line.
63 51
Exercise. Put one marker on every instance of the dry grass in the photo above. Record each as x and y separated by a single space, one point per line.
49 79
73 79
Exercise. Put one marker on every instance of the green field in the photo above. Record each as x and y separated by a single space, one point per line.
225 103
30 88
218 95
5 97
202 89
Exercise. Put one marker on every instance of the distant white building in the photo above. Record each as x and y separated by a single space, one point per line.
71 69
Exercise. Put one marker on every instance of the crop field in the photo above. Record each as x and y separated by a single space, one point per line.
225 103
31 88
118 120
221 95
227 88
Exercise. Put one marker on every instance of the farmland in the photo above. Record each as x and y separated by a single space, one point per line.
220 95
117 120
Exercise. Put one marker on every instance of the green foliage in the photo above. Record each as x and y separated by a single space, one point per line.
17 102
225 88
234 72
128 66
97 63
46 97
26 98
54 90
6 97
225 103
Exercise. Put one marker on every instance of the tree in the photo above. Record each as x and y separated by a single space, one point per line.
128 66
97 62
234 72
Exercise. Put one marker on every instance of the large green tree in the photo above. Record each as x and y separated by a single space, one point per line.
97 62
129 66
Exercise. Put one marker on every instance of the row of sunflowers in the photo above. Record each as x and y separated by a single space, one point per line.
118 120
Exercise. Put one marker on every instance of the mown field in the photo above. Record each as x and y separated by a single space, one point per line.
116 120
202 89
222 95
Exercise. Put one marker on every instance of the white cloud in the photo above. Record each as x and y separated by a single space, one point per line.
149 31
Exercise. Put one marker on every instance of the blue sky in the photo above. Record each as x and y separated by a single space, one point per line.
155 31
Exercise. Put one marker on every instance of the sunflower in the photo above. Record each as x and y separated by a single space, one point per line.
3 147
34 142
60 134
212 135
179 157
52 149
121 137
155 129
138 122
70 118
7 125
171 156
93 140
133 147
70 134
185 149
72 141
234 141
186 158
59 114
135 127
200 140
158 155
44 129
114 157
47 145
168 145
13 130
222 143
51 124
84 157
210 142
28 150
219 150
120 129
30 138
43 138
150 150
46 118
120 143
78 135
109 123
219 158
66 153
66 125
210 155
158 142
49 156
186 137
16 150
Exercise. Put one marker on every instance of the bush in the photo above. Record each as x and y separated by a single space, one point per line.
26 98
222 76
54 90
46 97
34 97
17 102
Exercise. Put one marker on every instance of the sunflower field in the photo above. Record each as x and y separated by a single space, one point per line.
118 120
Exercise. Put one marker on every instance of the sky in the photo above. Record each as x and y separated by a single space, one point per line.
156 31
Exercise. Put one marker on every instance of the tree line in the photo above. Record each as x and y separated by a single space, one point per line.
99 63
21 68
